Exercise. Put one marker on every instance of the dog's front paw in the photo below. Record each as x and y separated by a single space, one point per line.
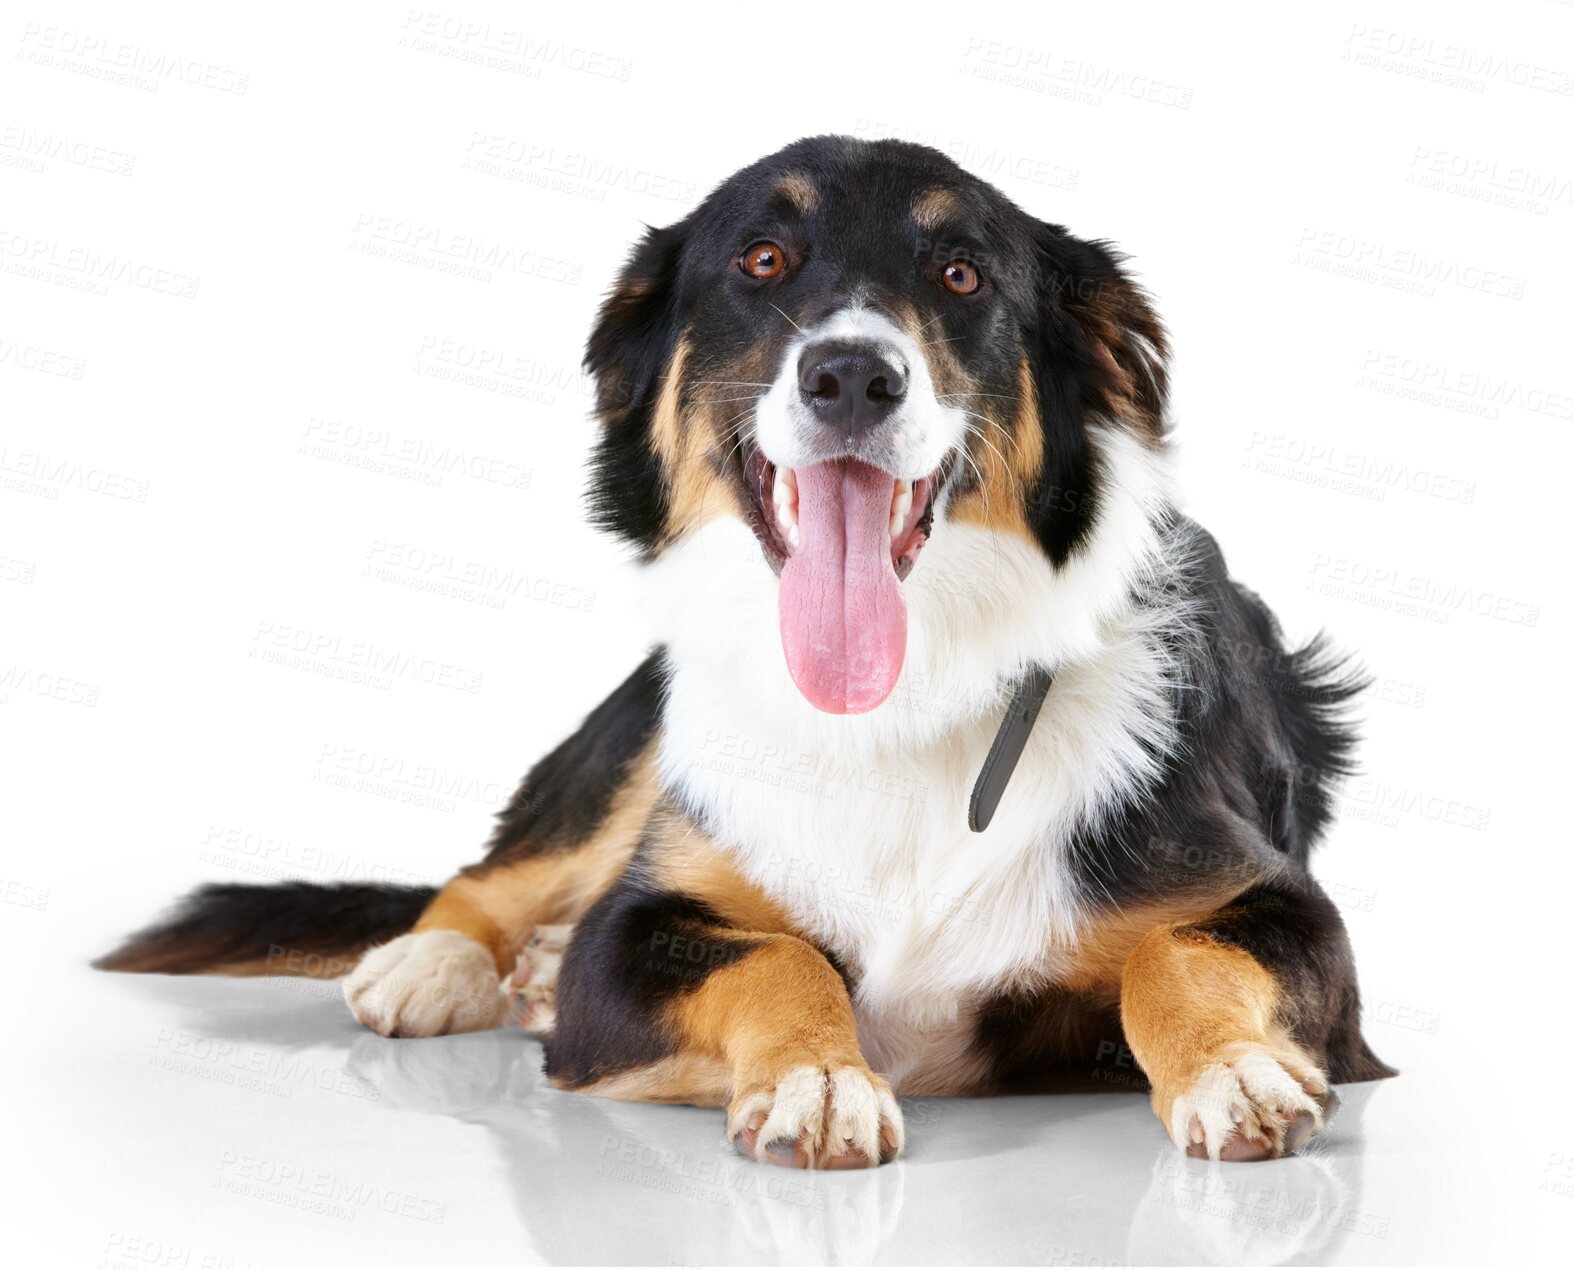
1247 1102
428 983
532 988
817 1118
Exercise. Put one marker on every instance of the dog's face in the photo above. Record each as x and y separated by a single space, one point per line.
848 346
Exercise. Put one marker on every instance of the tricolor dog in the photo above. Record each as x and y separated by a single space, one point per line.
962 759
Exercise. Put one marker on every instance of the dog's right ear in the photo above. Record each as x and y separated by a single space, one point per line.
630 352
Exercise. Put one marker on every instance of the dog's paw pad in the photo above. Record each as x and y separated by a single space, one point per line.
819 1118
428 983
1254 1103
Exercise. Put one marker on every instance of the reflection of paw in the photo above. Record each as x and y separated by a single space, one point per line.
532 988
818 1118
1251 1102
453 1076
1197 1213
429 983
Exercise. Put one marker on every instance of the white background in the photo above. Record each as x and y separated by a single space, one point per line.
1355 220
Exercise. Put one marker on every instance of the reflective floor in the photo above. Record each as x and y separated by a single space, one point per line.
219 1123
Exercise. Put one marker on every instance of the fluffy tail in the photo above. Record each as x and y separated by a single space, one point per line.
294 928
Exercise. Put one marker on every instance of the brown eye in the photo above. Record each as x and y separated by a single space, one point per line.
763 260
960 278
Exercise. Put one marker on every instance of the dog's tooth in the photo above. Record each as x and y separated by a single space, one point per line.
784 489
901 505
784 497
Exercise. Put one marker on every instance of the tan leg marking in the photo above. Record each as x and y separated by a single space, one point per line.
500 905
801 1093
687 862
1203 1020
1095 965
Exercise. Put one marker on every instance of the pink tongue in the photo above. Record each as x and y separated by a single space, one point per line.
844 622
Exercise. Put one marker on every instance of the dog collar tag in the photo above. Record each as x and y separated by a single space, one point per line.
1021 714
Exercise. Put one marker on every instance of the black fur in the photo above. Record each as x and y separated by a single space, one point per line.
637 950
1295 931
1264 737
629 347
280 928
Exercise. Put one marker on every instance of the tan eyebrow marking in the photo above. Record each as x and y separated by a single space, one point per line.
932 207
796 188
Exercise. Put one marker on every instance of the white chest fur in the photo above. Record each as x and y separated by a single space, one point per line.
858 824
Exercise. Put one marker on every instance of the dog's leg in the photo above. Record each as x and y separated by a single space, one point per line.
445 975
1241 1020
441 977
682 984
560 842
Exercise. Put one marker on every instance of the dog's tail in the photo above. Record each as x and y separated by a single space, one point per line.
294 928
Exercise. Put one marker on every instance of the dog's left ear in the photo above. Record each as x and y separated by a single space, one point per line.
1097 357
629 352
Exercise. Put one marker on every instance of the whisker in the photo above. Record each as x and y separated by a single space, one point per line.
1010 440
794 325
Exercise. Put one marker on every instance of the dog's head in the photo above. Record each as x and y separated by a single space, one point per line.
850 346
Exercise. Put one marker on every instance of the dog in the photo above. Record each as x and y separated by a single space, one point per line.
962 759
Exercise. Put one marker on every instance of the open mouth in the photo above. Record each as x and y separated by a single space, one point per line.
843 535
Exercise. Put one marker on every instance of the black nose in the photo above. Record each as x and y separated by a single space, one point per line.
850 385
